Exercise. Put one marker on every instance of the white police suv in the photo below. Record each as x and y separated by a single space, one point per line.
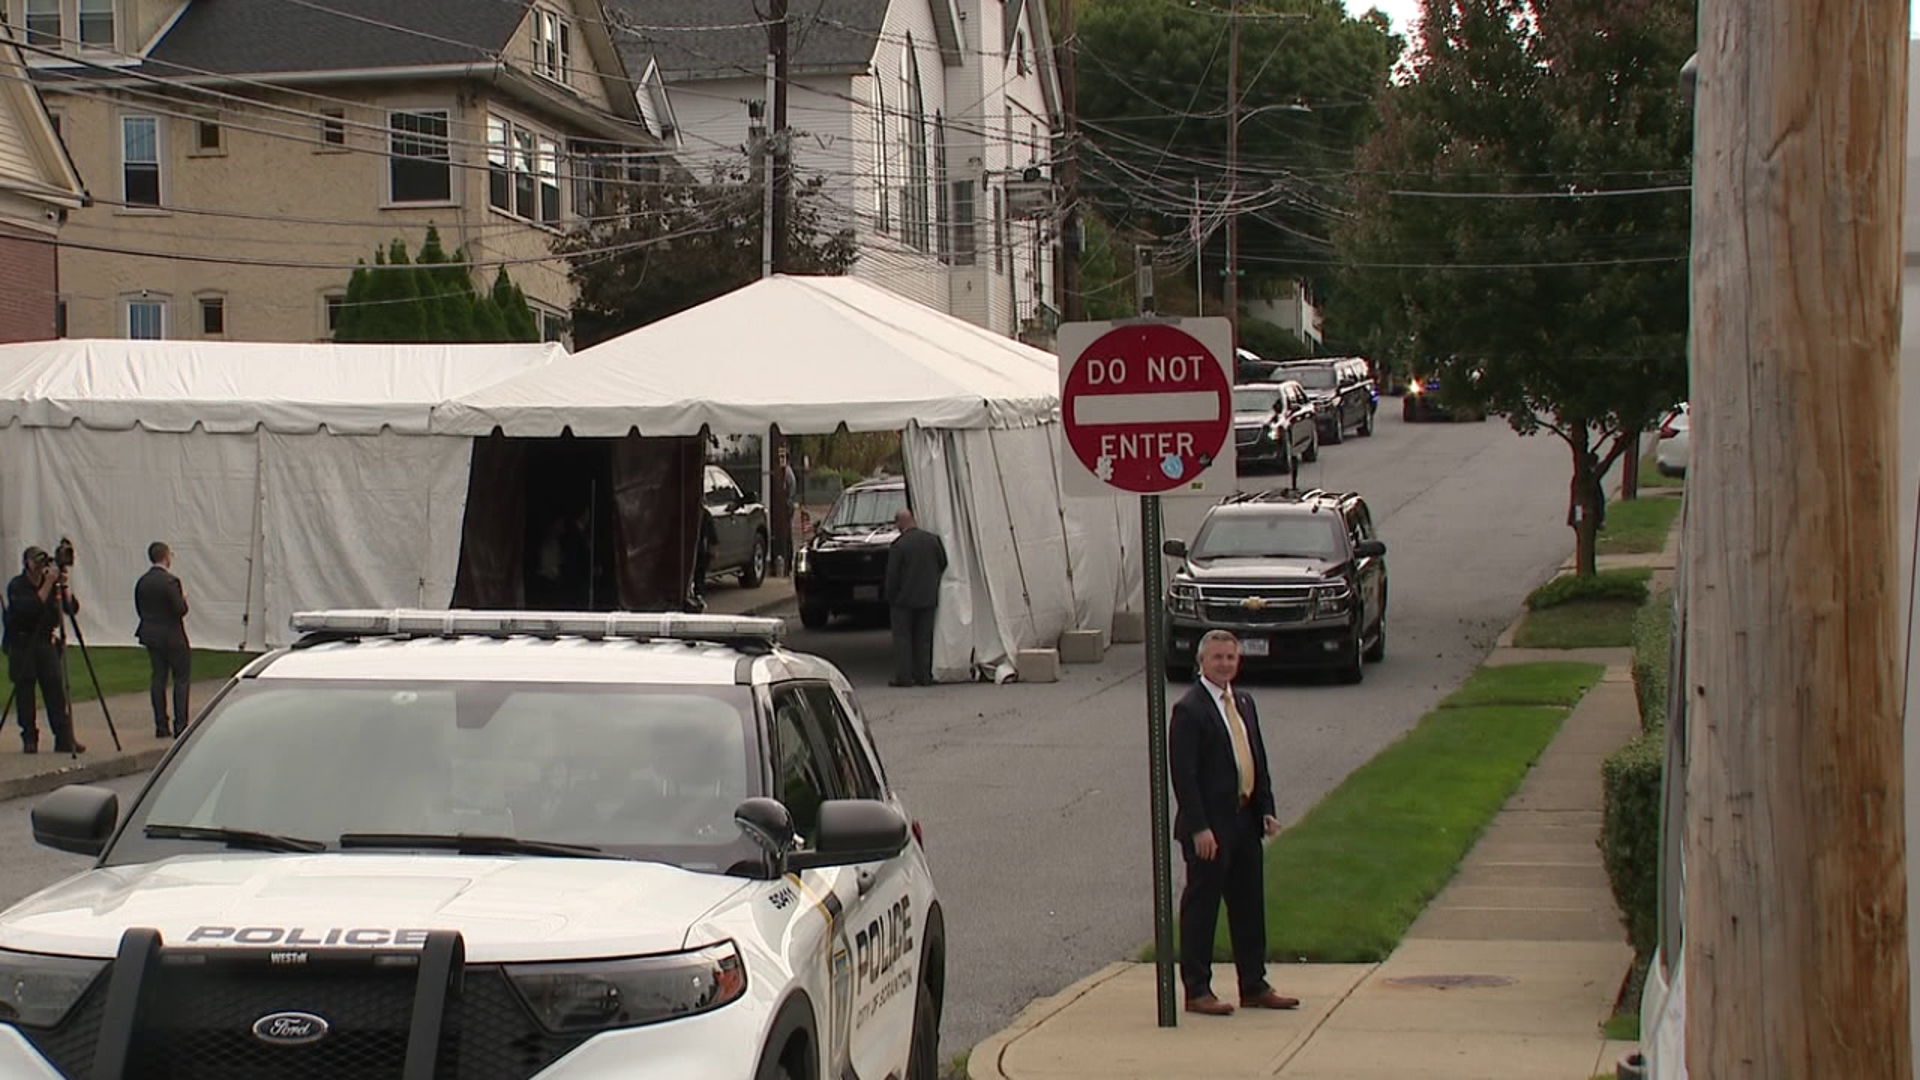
492 846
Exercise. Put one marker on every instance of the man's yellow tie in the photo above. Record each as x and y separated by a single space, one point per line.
1242 746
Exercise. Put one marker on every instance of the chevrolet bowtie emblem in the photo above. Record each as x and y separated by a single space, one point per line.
1253 603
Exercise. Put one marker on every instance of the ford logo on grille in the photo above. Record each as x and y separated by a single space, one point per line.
289 1028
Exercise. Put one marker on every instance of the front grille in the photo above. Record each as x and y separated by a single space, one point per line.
1246 436
1256 604
1272 615
196 1023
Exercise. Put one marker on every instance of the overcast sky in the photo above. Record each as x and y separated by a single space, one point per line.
1403 12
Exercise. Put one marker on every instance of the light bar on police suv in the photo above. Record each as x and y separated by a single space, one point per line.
673 626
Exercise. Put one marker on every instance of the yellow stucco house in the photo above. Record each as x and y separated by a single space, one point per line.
243 154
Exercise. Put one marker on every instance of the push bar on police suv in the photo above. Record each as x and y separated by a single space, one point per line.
643 626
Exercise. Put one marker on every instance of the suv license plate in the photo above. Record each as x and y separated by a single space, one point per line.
1253 646
866 592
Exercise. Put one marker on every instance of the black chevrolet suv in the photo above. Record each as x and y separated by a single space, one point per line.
1341 388
1298 576
844 565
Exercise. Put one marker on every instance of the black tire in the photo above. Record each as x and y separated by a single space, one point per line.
815 616
1179 672
755 572
1407 411
1337 434
1377 651
1313 448
1353 669
923 1060
1366 424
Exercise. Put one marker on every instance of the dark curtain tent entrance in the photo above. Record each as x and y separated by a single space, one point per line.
580 524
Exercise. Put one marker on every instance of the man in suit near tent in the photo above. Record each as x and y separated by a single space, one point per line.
161 603
915 564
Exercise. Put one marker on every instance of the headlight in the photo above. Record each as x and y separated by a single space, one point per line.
38 991
802 559
1184 598
594 995
1331 599
1413 386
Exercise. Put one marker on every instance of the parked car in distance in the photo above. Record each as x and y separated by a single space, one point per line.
1273 426
1425 400
740 524
1342 391
1674 448
844 564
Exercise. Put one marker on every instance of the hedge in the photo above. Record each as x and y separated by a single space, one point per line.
1625 584
1652 642
1630 835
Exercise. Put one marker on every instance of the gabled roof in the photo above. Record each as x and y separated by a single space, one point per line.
238 37
693 40
26 125
1041 34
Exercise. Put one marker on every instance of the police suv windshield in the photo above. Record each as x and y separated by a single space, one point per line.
645 772
867 508
1320 377
1270 536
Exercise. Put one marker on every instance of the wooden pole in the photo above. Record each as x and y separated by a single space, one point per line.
1796 924
1230 290
1067 66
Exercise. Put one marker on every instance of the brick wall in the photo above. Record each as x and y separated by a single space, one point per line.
29 281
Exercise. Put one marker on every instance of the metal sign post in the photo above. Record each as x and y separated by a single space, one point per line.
1146 408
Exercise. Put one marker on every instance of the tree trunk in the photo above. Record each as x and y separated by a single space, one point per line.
1630 467
1583 506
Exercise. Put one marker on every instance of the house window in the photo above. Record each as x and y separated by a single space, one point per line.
553 325
213 316
883 151
43 23
915 220
552 45
420 167
208 137
147 320
331 305
96 23
523 172
963 218
1000 257
140 160
333 127
1020 52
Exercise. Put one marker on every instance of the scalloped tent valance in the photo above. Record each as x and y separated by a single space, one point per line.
236 387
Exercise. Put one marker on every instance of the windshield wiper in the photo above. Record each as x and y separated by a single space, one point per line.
475 844
240 838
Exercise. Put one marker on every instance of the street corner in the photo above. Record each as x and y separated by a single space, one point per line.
1106 1026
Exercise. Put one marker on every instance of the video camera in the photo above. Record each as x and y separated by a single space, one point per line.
63 553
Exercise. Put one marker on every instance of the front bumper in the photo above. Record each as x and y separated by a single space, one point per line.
840 594
1321 642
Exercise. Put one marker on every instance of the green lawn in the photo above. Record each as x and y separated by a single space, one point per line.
1557 683
1638 526
1623 1027
1345 882
124 670
1582 624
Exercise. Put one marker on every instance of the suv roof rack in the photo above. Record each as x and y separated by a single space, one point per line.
1274 495
739 631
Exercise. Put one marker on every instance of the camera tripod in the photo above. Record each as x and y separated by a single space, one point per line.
66 679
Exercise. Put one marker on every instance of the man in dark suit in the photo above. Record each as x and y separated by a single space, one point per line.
1225 799
915 565
36 601
161 604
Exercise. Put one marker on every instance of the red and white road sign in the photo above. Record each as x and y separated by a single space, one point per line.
1147 407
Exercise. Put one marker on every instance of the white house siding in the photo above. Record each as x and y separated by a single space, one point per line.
885 258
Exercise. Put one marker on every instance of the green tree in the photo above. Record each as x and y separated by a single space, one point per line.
1152 82
676 245
430 298
1539 265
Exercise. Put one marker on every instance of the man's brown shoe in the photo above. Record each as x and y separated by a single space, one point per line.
1268 999
1209 1006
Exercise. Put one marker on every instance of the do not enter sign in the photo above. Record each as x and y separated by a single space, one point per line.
1147 407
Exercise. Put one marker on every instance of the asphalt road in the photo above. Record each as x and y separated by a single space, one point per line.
1033 797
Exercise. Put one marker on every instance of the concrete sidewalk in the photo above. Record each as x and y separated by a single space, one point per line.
1508 975
23 775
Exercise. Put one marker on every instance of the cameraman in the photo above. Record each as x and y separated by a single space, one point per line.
36 602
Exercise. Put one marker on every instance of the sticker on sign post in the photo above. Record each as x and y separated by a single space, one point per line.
1146 408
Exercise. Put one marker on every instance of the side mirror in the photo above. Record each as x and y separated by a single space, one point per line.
77 819
1174 549
1369 549
767 823
853 831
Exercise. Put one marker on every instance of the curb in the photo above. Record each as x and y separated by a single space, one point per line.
81 772
983 1063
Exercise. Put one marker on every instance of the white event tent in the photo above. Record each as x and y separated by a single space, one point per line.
979 414
284 476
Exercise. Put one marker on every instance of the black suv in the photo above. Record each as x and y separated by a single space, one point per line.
1341 388
1298 576
1273 426
844 565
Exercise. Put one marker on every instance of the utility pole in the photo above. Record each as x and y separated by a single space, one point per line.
782 156
1230 292
1796 906
1064 50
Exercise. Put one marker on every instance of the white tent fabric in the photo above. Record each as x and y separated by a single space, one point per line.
284 476
979 411
813 352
